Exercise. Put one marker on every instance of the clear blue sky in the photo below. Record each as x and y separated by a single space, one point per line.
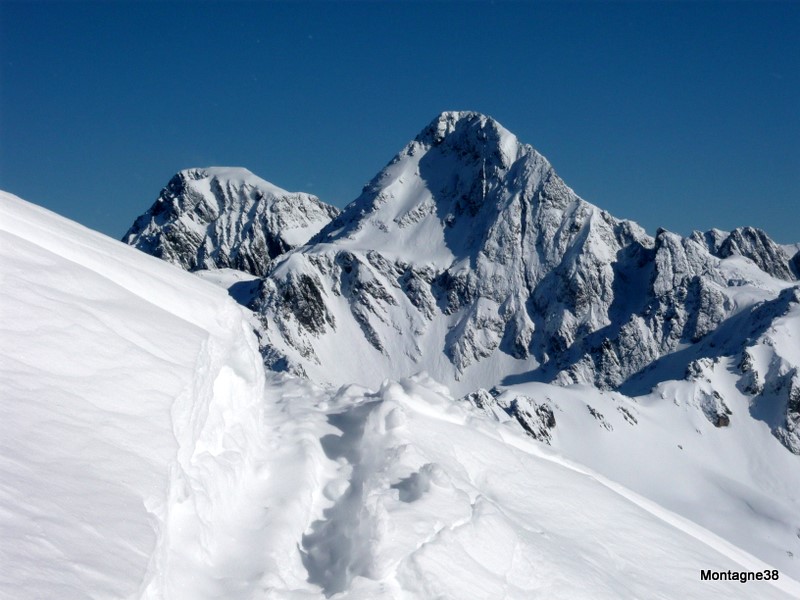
680 115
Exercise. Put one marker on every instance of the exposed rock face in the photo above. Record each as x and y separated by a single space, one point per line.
769 366
469 245
751 243
536 418
226 217
468 257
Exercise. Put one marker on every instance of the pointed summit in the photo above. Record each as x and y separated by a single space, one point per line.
470 130
468 229
446 189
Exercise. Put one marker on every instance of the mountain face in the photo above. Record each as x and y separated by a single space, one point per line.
148 454
469 226
662 372
468 257
469 240
226 218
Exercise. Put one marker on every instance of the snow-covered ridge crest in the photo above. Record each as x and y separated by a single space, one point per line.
467 255
238 176
132 402
146 454
226 217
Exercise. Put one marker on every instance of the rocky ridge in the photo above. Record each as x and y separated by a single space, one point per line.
226 218
469 225
468 257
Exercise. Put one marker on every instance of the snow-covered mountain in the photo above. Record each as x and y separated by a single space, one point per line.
468 257
226 218
504 391
145 452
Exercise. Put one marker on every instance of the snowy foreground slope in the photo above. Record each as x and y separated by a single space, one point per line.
116 371
147 454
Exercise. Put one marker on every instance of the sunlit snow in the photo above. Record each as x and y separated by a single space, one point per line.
147 454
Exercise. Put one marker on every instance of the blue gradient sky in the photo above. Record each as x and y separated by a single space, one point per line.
680 115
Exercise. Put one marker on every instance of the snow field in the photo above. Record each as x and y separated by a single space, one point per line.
92 361
440 502
144 453
735 481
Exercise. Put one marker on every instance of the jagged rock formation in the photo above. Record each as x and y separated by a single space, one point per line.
226 218
536 418
468 257
751 243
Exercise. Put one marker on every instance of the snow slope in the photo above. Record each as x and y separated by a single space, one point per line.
736 481
119 374
145 454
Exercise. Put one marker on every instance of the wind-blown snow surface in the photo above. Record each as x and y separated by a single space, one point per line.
145 453
129 392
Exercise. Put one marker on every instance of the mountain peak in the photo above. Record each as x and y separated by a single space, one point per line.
446 189
472 133
448 121
226 217
235 176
